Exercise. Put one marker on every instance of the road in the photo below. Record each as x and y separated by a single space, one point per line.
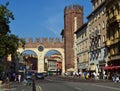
57 85
53 84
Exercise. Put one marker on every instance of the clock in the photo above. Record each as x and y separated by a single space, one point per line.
40 48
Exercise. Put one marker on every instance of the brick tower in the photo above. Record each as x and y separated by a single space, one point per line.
73 19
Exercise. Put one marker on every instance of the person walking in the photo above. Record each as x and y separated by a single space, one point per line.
19 78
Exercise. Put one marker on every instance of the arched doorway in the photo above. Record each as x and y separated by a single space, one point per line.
53 62
29 60
41 56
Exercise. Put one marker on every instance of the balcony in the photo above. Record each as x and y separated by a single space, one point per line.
91 35
91 48
112 42
115 41
97 32
115 57
114 18
108 42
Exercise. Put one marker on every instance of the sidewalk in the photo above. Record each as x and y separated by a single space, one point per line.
3 87
16 86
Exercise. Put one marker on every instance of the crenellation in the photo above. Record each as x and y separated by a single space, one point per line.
73 8
51 43
37 40
51 40
57 40
30 40
45 40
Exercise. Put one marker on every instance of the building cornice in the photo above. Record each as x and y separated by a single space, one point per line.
96 10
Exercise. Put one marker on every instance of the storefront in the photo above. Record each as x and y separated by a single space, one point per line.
111 67
111 70
83 66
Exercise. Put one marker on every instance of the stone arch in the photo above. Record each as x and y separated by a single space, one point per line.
41 55
61 52
56 51
29 50
35 64
31 58
42 47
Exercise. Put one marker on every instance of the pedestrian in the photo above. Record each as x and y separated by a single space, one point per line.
80 74
117 78
19 78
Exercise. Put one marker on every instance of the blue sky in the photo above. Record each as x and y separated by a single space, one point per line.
41 18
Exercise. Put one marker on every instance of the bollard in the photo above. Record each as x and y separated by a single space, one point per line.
7 83
33 86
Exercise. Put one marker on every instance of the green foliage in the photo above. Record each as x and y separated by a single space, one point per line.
9 43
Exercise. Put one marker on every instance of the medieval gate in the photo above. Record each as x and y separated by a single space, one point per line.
42 47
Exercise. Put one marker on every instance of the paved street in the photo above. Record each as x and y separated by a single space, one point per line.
65 84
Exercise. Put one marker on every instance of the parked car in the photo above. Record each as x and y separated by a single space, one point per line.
29 75
45 74
39 75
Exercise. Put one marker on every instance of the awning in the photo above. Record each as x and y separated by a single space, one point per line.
111 67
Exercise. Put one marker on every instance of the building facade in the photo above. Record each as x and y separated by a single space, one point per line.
97 36
73 19
54 64
41 48
113 32
82 48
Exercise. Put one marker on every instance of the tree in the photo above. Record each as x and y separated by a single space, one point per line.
9 43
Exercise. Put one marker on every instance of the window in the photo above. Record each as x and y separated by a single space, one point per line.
111 35
98 16
99 42
103 11
103 24
86 44
116 50
112 51
85 33
117 34
103 38
99 27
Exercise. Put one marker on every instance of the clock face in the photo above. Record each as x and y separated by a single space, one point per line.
40 48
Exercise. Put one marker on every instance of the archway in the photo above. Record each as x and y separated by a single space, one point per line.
41 48
28 61
53 62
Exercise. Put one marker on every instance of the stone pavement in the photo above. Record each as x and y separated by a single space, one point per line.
76 79
15 86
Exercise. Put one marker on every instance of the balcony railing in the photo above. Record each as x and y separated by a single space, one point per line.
114 18
91 35
97 32
108 42
111 42
115 57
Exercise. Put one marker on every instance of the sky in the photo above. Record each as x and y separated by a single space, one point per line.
41 18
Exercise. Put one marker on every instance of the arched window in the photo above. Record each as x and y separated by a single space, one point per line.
103 24
103 38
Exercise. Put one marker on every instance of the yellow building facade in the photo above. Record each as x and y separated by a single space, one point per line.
113 32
